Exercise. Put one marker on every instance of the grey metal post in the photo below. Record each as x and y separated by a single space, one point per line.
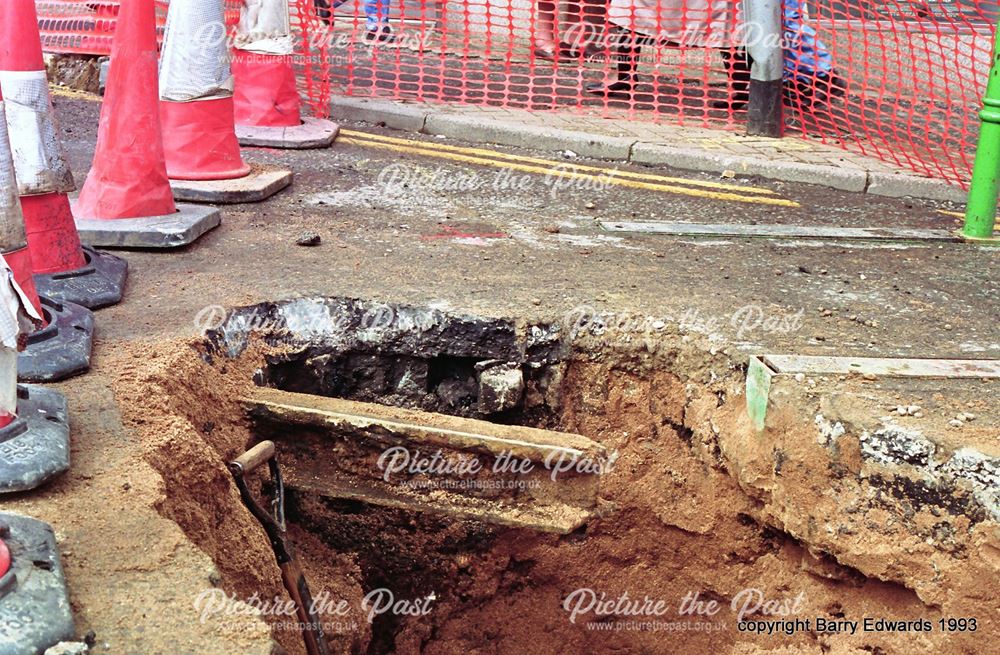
764 47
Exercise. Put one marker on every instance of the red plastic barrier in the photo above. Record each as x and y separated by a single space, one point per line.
914 74
4 558
903 83
82 26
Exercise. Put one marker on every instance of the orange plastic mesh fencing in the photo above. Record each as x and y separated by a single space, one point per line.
87 27
312 54
79 26
907 82
894 79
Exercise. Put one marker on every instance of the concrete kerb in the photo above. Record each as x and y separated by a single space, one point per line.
845 179
895 185
596 146
485 129
397 115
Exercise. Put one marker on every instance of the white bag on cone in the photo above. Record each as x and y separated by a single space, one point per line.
17 317
194 63
34 143
264 28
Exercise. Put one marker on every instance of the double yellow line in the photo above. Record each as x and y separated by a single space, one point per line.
552 168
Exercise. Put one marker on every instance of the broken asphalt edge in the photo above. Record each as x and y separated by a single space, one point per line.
483 129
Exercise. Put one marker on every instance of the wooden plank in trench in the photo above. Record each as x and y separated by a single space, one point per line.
331 446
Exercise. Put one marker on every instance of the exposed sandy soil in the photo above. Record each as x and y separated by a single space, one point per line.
691 505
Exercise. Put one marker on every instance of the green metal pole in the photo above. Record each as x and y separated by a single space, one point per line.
981 211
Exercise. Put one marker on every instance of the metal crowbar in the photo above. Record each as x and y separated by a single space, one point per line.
274 525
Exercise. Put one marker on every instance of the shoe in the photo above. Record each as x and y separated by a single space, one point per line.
818 92
380 34
737 102
551 51
617 89
565 51
832 84
323 11
544 52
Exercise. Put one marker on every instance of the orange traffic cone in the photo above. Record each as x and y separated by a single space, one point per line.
61 347
127 200
197 113
268 109
65 270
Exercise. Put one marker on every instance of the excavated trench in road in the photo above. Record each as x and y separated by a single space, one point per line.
678 498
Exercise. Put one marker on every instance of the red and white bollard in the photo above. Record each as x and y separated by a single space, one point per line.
34 426
266 95
18 318
65 271
61 348
197 112
127 200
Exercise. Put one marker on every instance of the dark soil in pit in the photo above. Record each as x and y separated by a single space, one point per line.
674 518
